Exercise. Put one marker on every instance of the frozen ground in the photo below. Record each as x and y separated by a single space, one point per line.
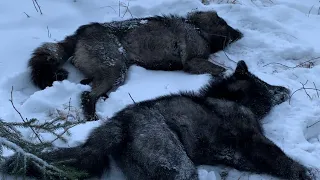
284 33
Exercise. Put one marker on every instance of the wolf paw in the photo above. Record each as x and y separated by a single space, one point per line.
86 81
61 75
303 173
88 105
46 79
312 174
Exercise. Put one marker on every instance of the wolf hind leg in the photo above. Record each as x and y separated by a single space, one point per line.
202 66
157 155
269 158
101 84
89 99
86 81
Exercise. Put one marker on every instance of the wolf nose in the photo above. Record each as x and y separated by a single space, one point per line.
281 94
236 35
284 97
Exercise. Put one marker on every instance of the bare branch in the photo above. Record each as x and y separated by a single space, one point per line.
299 65
229 57
119 7
127 10
316 88
132 98
37 6
11 100
310 10
305 89
224 45
108 7
299 90
222 65
313 124
26 14
49 34
277 64
34 4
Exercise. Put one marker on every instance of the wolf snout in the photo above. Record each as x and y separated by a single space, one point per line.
235 35
284 97
281 94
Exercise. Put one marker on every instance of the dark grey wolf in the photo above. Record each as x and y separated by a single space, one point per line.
167 137
104 51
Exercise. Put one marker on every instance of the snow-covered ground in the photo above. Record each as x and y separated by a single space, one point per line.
278 36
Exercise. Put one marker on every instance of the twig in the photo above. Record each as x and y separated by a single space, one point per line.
108 7
286 34
229 57
69 106
119 7
49 34
11 100
224 45
310 10
127 10
300 64
132 98
35 5
299 90
278 64
254 3
316 88
26 14
59 136
242 174
35 2
313 124
222 65
305 89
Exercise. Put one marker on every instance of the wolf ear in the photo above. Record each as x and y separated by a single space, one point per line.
241 68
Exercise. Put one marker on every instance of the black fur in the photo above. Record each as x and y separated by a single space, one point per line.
167 137
105 51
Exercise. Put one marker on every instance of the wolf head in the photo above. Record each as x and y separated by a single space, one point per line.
214 29
247 89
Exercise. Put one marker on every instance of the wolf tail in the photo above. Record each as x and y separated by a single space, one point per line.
46 61
89 159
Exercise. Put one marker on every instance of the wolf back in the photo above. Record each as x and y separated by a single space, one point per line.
167 137
103 52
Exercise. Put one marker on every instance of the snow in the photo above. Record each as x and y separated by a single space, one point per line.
278 36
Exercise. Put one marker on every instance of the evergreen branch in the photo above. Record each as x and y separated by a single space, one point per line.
18 149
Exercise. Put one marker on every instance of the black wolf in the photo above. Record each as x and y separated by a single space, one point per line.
167 137
104 51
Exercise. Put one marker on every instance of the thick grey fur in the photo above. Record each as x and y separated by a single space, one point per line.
167 137
105 51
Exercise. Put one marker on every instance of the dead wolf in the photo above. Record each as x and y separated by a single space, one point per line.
104 51
167 137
